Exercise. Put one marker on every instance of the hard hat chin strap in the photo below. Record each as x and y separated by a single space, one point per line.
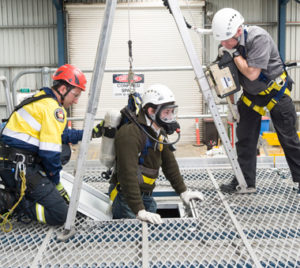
62 97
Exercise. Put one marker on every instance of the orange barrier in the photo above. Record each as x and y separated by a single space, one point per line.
197 132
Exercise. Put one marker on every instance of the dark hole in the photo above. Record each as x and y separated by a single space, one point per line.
168 212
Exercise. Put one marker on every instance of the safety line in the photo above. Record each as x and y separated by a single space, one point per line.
235 221
145 245
42 248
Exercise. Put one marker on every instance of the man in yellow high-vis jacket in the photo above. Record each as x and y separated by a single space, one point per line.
30 144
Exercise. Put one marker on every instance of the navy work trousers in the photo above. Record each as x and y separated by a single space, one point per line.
42 194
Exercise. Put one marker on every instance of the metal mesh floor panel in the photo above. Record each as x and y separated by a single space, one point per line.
249 230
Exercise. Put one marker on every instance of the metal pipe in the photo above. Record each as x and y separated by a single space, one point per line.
281 27
45 77
94 95
9 103
17 27
45 72
20 74
109 70
60 31
179 117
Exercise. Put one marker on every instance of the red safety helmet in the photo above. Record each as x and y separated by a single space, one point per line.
71 74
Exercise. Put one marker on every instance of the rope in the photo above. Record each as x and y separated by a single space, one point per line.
6 225
190 12
131 81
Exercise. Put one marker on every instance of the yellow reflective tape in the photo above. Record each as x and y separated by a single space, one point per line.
148 180
1 158
40 213
114 193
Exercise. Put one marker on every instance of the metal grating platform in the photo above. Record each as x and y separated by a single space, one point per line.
257 230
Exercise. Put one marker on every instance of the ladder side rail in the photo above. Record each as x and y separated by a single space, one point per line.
206 90
9 102
94 95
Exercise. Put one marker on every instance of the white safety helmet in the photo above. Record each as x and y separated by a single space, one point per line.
226 23
157 94
162 99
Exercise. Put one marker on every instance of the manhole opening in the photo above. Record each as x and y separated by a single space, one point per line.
170 210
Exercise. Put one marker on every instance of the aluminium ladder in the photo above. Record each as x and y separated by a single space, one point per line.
207 92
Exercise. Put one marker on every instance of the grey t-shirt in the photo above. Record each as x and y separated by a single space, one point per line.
261 52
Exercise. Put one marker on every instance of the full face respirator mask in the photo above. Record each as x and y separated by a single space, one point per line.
165 117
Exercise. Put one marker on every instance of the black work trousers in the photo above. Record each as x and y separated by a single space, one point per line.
284 118
42 200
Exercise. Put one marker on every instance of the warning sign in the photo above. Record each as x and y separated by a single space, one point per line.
121 87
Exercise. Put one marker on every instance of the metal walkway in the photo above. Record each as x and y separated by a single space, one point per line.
257 230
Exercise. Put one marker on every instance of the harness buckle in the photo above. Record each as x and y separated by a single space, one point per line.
279 81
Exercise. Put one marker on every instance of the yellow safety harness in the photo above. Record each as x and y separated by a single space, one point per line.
278 84
116 189
142 178
6 225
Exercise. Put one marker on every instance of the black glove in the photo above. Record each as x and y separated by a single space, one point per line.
98 130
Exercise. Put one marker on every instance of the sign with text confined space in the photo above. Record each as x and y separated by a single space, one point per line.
121 87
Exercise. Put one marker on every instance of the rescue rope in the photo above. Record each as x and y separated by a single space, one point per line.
130 77
6 225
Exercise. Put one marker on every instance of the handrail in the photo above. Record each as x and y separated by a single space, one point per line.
9 102
46 70
45 74
45 79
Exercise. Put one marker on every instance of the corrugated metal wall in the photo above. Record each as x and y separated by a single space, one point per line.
28 39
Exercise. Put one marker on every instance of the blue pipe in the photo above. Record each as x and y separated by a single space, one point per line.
281 27
60 31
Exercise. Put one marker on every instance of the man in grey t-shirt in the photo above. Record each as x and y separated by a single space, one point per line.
266 86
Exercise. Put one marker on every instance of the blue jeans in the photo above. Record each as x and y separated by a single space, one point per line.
121 210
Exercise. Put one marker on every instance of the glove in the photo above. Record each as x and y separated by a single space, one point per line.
224 49
144 215
188 195
98 130
63 192
233 114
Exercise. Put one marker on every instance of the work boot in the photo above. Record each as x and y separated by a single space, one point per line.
231 188
7 200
